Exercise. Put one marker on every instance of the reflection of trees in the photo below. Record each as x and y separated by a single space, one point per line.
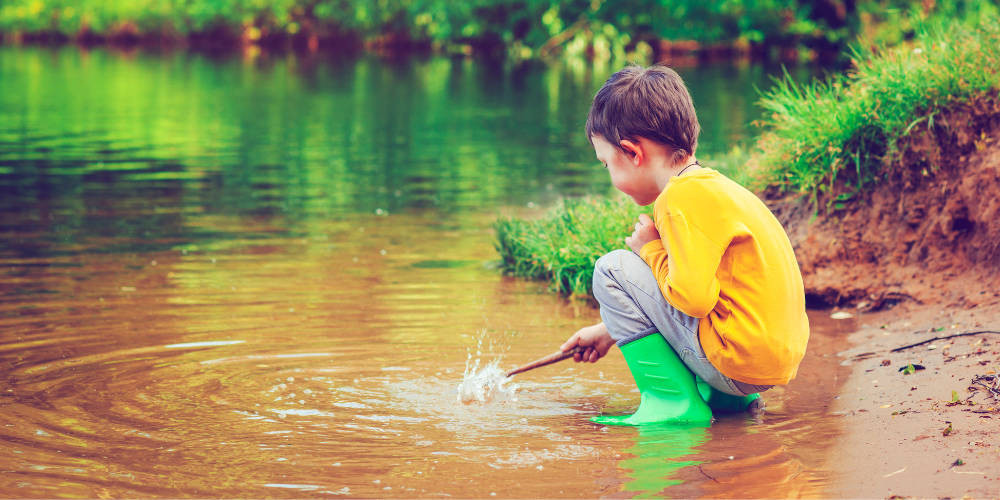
134 146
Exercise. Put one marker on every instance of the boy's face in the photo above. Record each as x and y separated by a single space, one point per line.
627 175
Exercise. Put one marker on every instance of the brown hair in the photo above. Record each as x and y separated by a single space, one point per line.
645 102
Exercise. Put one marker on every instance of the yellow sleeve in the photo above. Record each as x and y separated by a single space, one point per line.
687 273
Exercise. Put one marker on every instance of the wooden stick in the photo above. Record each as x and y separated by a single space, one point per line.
547 360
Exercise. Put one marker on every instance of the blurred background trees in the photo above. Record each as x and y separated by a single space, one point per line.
520 28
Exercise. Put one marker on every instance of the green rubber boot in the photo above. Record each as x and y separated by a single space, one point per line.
667 388
721 402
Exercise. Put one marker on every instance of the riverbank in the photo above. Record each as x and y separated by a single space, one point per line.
921 251
929 233
911 245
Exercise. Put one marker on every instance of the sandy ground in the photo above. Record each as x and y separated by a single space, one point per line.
932 432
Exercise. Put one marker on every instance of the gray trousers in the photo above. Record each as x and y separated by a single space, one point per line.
633 307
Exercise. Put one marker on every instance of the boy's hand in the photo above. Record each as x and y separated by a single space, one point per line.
645 231
595 339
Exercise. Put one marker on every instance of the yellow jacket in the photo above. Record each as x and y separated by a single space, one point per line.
722 256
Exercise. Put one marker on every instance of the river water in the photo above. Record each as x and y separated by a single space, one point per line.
266 277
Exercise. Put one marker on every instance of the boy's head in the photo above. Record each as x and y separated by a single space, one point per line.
645 102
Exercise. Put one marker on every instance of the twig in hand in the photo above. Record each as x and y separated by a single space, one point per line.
942 338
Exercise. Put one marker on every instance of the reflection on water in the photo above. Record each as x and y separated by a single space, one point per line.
658 453
265 278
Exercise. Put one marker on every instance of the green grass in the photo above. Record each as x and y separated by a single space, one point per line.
831 140
563 245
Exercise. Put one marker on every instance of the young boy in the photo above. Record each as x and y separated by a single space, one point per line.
708 307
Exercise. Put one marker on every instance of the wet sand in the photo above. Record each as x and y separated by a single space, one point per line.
905 433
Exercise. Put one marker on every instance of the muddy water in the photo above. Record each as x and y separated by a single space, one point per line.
226 278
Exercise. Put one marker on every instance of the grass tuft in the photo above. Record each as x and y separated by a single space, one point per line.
831 140
563 245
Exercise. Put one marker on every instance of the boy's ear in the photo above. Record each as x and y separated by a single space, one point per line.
634 150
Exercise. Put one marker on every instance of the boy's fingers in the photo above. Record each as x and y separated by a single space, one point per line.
570 343
645 220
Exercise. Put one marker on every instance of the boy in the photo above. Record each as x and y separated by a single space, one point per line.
708 307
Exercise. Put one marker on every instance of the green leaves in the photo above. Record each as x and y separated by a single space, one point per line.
521 25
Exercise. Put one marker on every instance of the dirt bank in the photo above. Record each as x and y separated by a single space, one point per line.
923 250
929 234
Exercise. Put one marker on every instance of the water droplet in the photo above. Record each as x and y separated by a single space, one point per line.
381 252
483 385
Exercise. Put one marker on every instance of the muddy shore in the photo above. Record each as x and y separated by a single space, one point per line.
926 431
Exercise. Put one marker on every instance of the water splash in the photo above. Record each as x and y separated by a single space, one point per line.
487 383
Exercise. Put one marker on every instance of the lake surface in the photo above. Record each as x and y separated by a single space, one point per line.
266 277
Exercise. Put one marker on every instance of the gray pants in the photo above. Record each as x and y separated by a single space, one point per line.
633 307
